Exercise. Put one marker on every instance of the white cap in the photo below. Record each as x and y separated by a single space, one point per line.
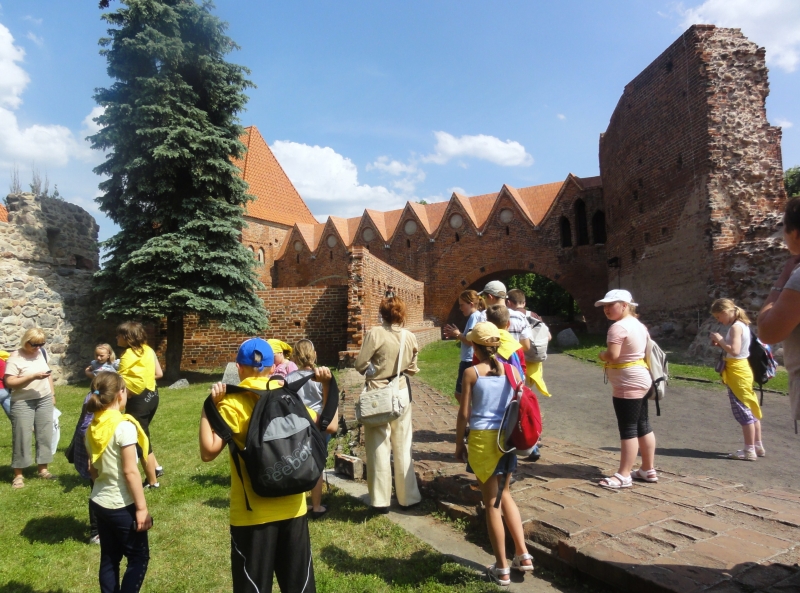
495 288
616 296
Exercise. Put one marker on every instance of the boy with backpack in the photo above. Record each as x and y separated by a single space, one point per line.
540 336
268 535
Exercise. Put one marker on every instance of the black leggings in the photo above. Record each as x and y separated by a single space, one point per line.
632 417
143 407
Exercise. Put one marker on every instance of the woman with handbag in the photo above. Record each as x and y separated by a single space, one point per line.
388 353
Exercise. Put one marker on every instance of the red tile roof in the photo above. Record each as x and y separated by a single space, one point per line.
539 198
3 214
276 198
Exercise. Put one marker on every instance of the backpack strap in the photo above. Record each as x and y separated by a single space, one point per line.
219 426
509 369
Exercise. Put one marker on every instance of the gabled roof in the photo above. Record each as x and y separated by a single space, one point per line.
3 214
346 227
539 198
276 198
311 233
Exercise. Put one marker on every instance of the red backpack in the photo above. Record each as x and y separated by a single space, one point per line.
522 420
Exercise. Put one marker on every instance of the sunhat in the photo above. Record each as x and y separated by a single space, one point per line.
485 334
616 296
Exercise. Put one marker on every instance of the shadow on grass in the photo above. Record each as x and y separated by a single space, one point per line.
211 479
71 481
217 503
54 530
17 587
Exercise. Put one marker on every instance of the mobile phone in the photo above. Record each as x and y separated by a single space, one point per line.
48 372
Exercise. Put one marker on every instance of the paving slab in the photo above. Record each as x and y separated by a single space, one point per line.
689 532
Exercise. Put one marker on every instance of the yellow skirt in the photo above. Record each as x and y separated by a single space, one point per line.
483 454
738 376
534 376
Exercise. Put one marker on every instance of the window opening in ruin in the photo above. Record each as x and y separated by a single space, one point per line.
641 209
599 227
331 254
633 255
260 255
408 243
680 161
664 231
635 195
507 231
457 238
669 65
298 258
647 237
566 232
81 263
52 238
582 228
641 182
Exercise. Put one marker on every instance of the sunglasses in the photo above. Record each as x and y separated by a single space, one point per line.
32 345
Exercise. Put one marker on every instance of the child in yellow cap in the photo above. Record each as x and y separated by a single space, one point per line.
282 351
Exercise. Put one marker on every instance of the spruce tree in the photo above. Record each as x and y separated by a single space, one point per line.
170 127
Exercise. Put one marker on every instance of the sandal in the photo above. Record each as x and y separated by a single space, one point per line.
743 455
621 482
46 475
18 482
495 574
649 475
517 563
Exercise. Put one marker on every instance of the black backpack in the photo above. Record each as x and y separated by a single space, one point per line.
284 451
762 362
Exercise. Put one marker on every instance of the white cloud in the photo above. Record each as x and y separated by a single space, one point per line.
775 24
561 116
324 177
392 167
784 123
506 154
32 19
35 38
456 190
43 144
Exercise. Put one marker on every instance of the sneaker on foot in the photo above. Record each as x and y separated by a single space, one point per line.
743 455
761 451
159 471
147 485
535 454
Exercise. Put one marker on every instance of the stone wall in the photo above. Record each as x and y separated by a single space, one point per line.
48 254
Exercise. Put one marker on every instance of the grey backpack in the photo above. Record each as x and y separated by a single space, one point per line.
540 337
656 361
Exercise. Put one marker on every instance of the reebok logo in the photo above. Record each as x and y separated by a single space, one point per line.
288 464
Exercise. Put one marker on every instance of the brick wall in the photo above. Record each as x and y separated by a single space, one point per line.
264 241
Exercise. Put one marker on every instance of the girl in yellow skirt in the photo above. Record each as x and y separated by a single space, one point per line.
738 376
486 392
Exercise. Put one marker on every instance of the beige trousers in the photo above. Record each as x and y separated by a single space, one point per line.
380 441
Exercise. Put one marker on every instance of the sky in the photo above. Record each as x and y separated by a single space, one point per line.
372 104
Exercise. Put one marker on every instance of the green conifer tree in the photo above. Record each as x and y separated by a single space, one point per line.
170 127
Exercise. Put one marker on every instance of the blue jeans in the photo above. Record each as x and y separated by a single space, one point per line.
118 538
5 402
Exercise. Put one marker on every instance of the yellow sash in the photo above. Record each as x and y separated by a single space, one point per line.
625 365
482 453
738 376
534 376
102 428
4 355
508 345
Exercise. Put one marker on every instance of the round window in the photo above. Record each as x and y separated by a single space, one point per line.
506 215
331 241
410 227
368 234
298 246
456 221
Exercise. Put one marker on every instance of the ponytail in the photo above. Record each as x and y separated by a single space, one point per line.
104 390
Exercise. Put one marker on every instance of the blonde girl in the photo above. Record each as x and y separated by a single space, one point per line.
117 498
485 396
470 304
738 376
315 395
140 368
104 360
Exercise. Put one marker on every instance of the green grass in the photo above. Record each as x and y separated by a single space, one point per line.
44 526
438 365
591 345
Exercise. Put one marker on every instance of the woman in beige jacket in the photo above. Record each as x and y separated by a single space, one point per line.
378 361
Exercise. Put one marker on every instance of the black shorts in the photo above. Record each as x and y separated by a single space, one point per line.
282 548
632 417
143 407
462 366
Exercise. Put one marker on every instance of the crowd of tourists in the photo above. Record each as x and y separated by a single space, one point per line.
502 346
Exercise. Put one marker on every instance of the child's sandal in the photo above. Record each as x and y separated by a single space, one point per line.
495 574
18 482
517 563
649 475
616 482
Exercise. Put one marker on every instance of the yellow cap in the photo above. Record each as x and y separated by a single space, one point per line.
485 334
279 347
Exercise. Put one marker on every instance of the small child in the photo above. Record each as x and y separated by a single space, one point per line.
117 496
470 304
315 395
104 360
738 376
509 350
282 351
80 459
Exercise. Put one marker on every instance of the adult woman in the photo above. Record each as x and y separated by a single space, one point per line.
32 400
630 378
378 358
140 368
779 319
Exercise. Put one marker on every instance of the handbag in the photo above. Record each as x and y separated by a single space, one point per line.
381 406
720 366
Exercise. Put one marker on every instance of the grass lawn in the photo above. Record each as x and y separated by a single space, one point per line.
44 527
438 365
591 345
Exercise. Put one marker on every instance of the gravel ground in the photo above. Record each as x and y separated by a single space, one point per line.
694 433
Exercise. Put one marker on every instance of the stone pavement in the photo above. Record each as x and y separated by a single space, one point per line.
686 533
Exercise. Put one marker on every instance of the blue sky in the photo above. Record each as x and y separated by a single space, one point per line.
370 104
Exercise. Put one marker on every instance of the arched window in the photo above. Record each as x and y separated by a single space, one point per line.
599 227
581 227
260 255
566 232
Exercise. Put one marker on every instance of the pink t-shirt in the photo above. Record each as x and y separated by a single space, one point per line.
632 382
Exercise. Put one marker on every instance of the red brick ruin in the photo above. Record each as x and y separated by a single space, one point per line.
687 208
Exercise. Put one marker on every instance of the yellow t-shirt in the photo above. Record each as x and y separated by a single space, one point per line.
139 370
236 409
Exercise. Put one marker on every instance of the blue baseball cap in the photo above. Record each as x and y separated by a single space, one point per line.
256 353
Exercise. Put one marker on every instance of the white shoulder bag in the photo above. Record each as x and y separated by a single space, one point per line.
381 406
